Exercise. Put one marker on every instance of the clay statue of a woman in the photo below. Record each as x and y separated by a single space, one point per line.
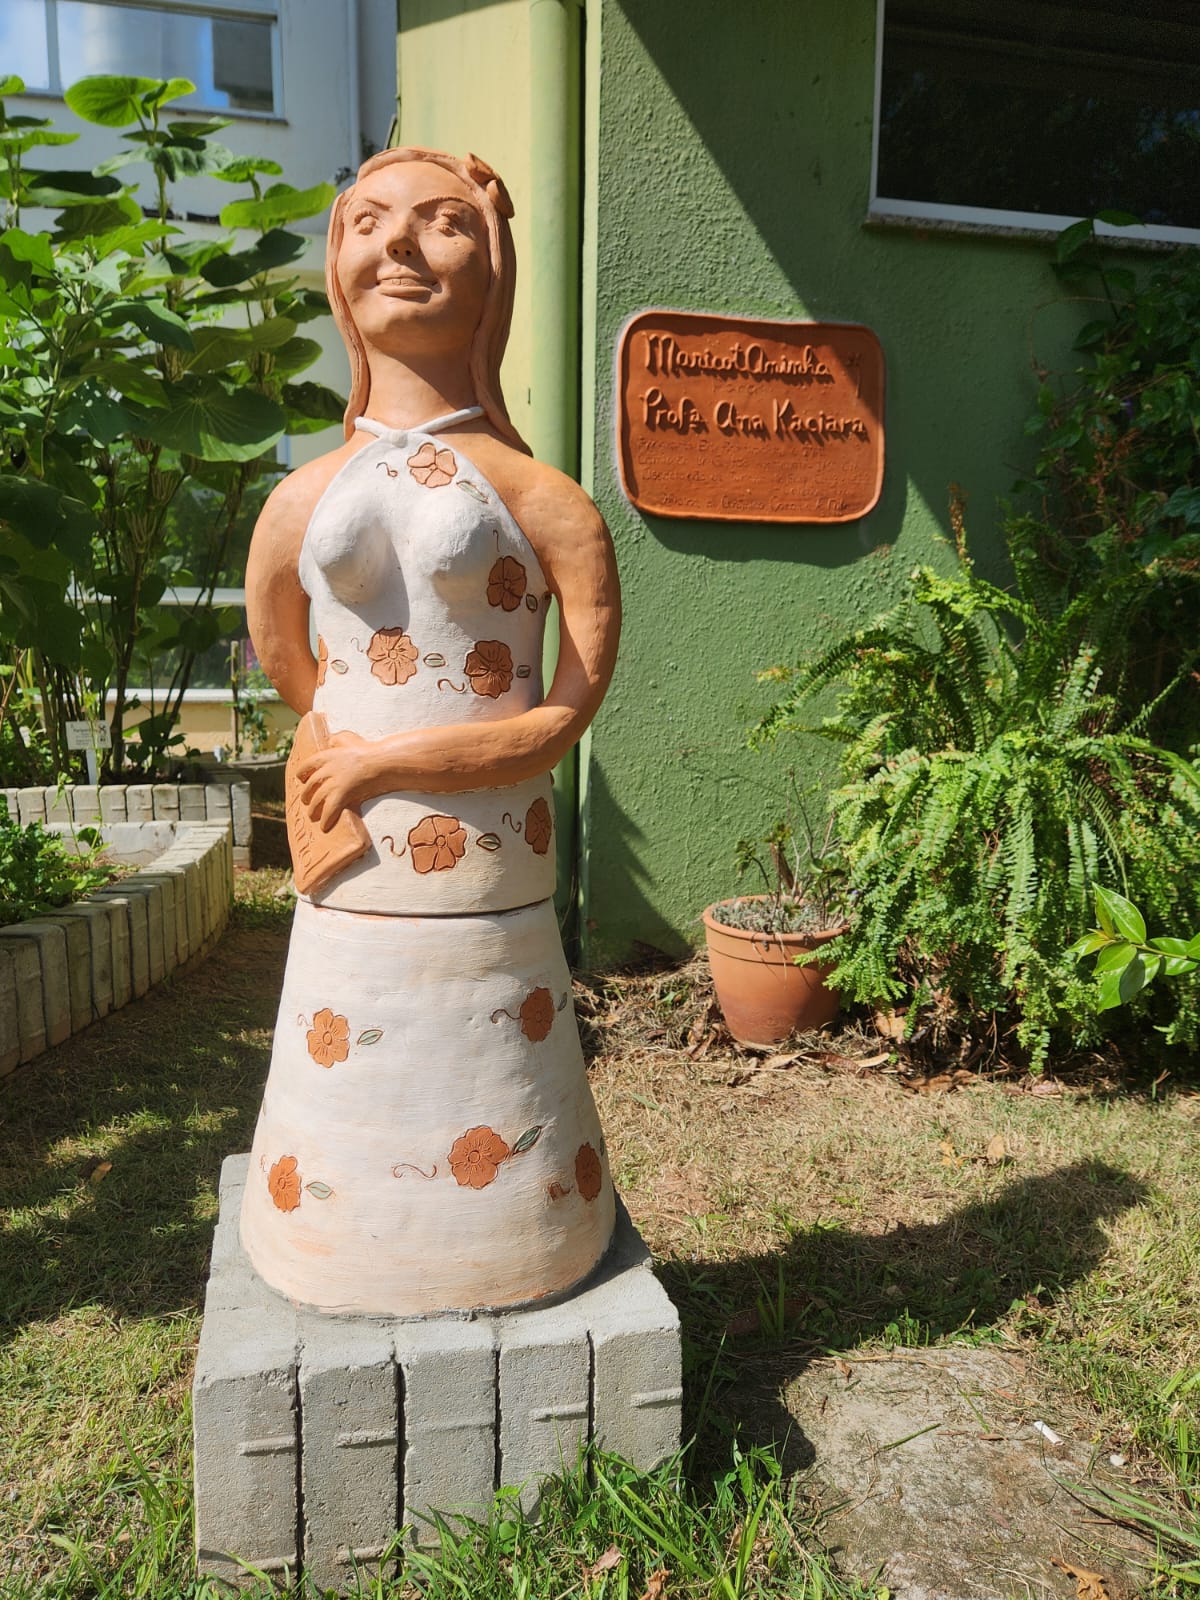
428 1140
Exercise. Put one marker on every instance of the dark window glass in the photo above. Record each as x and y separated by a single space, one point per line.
1041 106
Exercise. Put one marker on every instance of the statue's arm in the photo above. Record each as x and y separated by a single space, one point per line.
276 605
576 555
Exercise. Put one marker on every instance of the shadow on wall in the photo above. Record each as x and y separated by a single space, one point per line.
909 1285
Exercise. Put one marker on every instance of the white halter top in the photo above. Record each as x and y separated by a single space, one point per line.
429 605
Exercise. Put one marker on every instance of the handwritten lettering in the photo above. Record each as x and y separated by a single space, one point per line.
683 417
663 354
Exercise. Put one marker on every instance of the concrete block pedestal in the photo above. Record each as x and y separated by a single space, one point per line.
317 1437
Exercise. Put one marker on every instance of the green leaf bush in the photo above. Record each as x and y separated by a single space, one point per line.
39 873
989 783
143 374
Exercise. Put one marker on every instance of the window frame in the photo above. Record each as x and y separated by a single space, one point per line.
976 219
235 10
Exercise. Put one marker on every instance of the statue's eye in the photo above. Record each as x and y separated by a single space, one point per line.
364 221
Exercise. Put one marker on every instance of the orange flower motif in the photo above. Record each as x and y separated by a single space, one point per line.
328 1038
587 1172
284 1183
433 467
437 843
322 660
539 825
537 1014
393 656
475 1157
490 668
506 583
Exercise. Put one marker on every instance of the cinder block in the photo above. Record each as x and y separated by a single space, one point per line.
113 806
165 800
58 804
31 1010
218 807
545 1395
164 883
139 802
8 803
122 957
350 1442
246 1428
191 803
85 803
239 798
51 942
149 891
97 916
10 1025
31 805
79 969
450 1445
136 942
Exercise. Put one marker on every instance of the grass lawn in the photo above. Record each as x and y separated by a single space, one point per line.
798 1206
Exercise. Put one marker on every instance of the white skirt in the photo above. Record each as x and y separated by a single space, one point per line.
428 1140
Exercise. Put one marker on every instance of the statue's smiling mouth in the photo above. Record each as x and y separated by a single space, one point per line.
406 281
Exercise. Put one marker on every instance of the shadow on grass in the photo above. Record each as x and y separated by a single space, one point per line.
163 1090
831 1290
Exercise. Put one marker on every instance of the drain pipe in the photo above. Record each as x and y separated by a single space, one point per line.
554 275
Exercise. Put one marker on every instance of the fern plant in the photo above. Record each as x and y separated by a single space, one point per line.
988 783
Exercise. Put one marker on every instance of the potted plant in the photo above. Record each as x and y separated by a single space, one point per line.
761 946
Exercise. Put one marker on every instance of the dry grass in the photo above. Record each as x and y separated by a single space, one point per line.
822 1199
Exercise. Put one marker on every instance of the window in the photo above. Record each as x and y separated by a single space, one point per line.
1036 112
229 51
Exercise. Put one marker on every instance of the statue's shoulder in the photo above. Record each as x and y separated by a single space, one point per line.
289 507
547 504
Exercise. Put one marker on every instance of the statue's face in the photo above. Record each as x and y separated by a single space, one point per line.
413 262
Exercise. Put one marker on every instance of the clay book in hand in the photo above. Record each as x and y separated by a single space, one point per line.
318 856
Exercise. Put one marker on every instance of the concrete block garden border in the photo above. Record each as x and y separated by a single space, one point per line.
223 800
73 966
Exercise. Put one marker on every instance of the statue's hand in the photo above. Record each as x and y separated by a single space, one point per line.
337 778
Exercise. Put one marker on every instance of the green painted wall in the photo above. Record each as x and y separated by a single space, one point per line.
727 168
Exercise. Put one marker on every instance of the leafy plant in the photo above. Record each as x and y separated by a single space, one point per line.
988 785
141 368
802 885
1116 487
39 872
1126 959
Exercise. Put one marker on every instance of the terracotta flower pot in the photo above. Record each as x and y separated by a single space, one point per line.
764 995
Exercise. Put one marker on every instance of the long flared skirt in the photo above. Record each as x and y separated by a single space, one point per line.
428 1140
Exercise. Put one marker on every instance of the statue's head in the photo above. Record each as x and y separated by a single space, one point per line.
447 276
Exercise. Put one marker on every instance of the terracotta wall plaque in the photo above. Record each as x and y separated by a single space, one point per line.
736 419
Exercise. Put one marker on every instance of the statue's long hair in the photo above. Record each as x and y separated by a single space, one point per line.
487 190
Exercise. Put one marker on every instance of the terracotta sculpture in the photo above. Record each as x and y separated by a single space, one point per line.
428 1140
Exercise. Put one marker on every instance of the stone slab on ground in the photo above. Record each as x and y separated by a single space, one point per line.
938 1482
396 1419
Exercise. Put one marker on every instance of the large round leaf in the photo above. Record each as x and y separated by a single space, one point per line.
45 516
281 203
274 249
66 188
115 101
203 418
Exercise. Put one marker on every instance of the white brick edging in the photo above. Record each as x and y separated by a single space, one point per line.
74 965
225 800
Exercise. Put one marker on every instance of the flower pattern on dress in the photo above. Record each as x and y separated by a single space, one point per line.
283 1181
506 584
322 660
393 656
437 843
433 467
539 825
537 1015
587 1172
328 1038
490 668
476 1156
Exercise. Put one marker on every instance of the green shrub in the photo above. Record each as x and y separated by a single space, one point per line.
988 784
38 872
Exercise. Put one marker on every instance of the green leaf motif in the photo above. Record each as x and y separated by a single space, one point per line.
528 1139
369 1036
434 659
488 841
1123 916
469 488
319 1190
339 667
